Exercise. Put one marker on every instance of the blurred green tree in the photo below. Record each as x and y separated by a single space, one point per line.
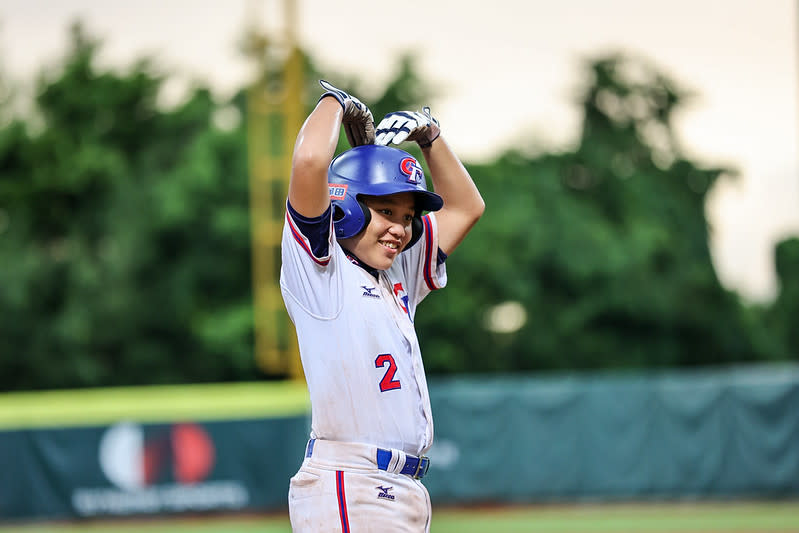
126 238
605 248
782 318
125 241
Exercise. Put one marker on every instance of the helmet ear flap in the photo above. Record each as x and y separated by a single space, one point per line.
367 215
416 231
338 212
350 217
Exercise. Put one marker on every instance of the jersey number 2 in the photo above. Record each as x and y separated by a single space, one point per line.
388 382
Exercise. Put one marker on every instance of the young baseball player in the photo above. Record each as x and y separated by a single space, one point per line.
364 242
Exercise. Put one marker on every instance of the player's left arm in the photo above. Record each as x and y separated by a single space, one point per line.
463 204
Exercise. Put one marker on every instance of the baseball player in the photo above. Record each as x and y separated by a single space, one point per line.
364 242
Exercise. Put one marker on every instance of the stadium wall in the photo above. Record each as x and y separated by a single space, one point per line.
721 433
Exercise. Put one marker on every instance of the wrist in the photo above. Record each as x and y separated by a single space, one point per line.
427 143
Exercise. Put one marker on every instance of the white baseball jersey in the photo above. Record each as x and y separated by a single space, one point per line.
359 350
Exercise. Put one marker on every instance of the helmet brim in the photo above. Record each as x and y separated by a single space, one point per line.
425 200
429 201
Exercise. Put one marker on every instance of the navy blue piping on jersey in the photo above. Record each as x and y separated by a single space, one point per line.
315 229
427 269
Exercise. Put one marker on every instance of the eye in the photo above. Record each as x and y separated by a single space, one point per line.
385 211
408 218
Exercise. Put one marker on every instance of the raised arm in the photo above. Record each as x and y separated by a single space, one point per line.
316 145
463 204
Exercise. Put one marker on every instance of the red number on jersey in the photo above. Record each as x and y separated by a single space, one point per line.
388 382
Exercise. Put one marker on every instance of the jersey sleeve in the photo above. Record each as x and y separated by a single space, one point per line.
421 267
308 272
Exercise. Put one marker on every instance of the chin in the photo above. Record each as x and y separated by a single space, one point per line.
384 264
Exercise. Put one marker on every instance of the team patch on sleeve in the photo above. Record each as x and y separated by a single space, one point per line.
430 252
304 243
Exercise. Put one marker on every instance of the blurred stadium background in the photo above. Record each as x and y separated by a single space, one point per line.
588 370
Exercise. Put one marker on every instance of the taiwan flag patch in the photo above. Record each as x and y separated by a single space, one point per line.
402 298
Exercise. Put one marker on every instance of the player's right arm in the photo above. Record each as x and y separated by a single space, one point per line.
316 145
313 151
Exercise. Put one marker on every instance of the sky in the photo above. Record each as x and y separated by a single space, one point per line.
507 73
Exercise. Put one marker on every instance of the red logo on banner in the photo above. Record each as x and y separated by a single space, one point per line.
132 458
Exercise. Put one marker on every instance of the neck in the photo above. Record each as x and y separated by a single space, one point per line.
354 260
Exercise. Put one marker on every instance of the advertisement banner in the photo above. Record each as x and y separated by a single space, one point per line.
129 468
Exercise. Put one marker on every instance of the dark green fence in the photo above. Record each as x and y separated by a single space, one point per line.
716 433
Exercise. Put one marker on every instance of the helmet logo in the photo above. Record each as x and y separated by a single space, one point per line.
337 191
411 168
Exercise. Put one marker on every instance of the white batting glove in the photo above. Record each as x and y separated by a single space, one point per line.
402 126
359 125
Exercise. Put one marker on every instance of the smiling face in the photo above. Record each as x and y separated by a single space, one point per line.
387 233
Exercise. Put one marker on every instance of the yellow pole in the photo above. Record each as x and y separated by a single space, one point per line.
274 114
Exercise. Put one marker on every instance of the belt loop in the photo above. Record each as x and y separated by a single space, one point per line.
383 458
421 467
418 466
309 448
398 459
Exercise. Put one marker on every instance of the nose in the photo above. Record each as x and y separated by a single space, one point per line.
397 230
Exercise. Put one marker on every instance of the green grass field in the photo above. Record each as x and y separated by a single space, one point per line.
153 404
780 517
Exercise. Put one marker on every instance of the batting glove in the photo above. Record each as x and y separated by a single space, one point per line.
402 126
359 125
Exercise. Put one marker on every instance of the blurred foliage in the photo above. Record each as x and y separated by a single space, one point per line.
605 247
125 245
783 316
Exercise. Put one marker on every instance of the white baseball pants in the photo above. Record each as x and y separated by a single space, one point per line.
339 488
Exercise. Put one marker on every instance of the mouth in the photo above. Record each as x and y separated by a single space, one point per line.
390 245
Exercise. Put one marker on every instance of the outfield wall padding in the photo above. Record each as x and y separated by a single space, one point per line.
724 433
128 468
712 434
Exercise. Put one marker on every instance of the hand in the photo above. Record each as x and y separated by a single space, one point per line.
359 125
402 126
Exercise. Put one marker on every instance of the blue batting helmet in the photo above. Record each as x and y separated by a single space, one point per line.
375 170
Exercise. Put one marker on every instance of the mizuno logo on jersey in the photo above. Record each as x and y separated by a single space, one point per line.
367 291
383 494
